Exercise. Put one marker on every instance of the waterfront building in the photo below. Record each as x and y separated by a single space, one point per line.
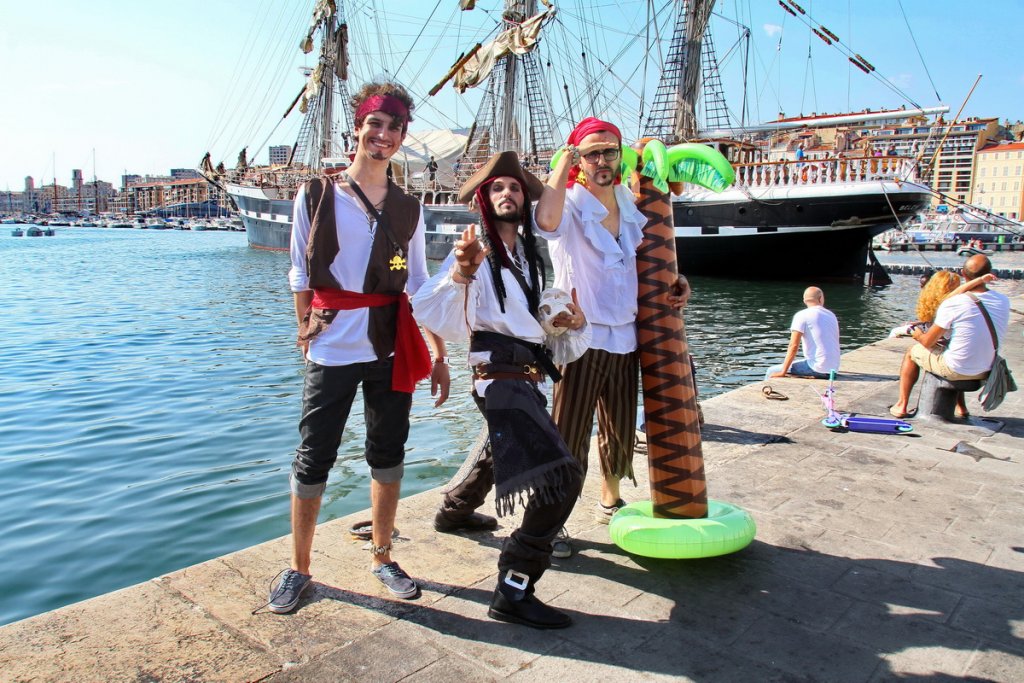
122 203
51 197
12 202
999 183
946 150
279 154
171 196
86 198
184 173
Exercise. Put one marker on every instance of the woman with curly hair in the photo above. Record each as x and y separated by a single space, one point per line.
941 286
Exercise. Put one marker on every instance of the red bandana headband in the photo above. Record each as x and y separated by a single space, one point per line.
584 128
388 104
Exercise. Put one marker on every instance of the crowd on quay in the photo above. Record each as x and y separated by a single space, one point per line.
359 272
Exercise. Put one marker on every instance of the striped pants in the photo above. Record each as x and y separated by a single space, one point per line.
608 383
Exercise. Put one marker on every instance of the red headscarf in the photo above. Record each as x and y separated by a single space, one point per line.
583 129
388 104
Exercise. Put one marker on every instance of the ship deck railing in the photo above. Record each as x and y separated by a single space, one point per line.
826 171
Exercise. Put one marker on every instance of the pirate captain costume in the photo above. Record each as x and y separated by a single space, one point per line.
510 354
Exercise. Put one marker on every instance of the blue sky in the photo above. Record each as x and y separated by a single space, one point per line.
153 85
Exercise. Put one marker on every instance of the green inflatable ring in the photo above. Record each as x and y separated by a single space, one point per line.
726 529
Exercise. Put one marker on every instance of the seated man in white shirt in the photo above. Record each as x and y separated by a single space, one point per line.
970 351
816 329
497 306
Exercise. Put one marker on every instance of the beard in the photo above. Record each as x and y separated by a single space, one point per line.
507 214
603 177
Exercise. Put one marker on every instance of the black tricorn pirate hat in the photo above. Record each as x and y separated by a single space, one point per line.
502 164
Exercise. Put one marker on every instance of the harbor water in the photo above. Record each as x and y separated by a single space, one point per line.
149 397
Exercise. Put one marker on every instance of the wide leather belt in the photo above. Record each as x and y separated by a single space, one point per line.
526 371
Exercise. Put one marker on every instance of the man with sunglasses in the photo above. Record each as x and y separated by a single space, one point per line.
593 230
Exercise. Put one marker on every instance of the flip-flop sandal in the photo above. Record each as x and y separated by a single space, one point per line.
902 416
770 393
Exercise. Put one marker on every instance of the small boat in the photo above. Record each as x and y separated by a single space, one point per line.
972 251
17 232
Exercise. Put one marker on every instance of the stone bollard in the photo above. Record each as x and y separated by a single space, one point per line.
938 396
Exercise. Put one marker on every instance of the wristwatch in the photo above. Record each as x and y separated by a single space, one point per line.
441 360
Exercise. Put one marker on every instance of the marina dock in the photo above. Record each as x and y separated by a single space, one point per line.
877 557
946 246
923 269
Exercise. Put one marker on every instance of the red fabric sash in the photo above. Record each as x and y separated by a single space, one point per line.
412 359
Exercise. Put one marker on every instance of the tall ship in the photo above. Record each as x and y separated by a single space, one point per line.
797 210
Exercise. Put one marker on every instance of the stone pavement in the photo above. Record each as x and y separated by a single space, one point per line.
877 558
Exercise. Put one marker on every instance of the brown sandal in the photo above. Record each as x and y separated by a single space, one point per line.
773 395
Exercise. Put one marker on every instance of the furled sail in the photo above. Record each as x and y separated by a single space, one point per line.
341 41
312 88
206 166
520 39
324 10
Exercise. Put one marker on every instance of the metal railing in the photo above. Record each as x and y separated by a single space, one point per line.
825 171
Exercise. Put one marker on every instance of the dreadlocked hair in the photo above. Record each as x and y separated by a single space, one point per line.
538 274
498 257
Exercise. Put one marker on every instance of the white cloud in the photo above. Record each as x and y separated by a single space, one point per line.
903 80
772 30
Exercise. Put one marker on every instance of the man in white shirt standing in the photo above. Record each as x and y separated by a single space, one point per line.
498 306
970 349
816 329
593 229
357 248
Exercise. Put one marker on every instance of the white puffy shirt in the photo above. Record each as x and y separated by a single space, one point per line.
970 350
601 269
345 341
451 310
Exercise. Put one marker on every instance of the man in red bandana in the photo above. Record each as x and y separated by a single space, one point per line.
593 229
358 252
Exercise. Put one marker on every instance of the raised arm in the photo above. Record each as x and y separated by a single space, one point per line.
549 208
973 284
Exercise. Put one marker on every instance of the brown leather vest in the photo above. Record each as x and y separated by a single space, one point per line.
399 217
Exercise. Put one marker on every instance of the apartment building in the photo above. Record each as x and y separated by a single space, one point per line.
947 151
999 179
279 154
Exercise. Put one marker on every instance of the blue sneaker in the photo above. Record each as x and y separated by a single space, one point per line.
285 596
396 580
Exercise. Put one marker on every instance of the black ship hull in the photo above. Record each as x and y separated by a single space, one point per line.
820 233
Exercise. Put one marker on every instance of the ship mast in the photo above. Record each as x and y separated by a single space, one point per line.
326 81
673 115
515 112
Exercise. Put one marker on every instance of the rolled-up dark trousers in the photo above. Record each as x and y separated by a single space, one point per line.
327 396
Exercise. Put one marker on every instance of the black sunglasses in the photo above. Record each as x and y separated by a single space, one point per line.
610 154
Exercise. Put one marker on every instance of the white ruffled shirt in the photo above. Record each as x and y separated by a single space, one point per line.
346 339
452 310
601 268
